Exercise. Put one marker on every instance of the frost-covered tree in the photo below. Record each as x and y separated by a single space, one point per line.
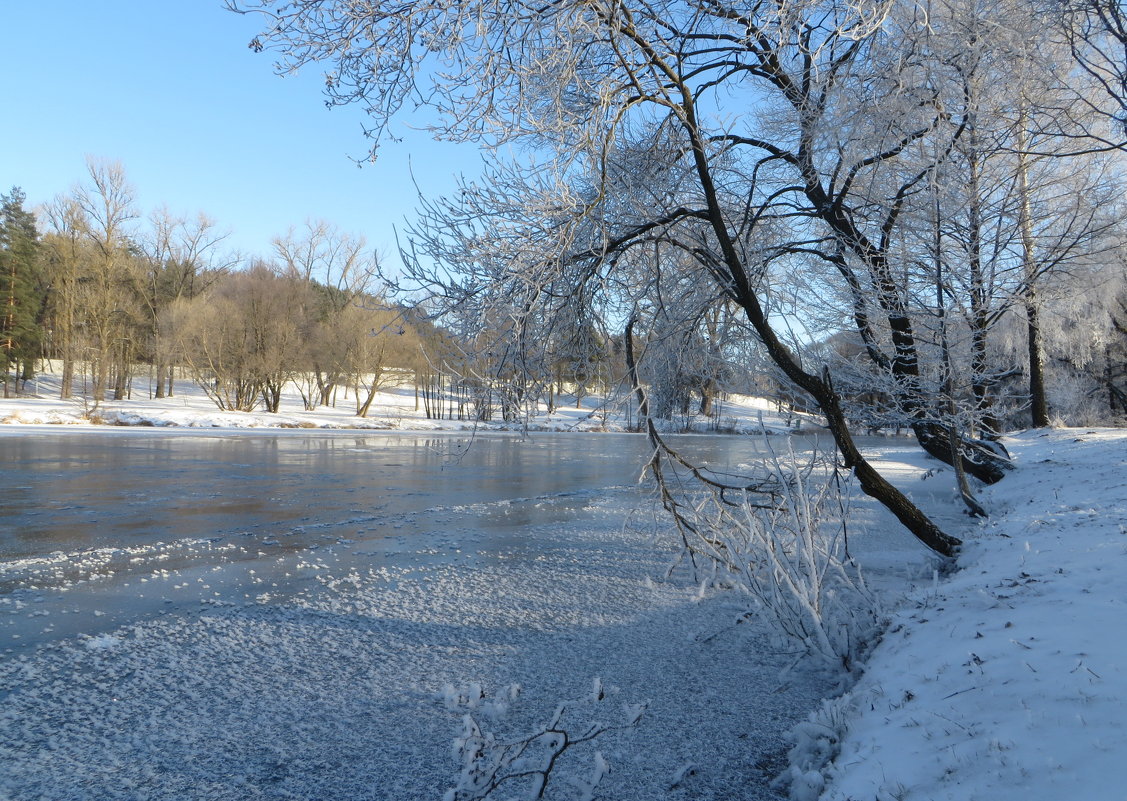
772 145
1008 221
627 105
688 334
1096 32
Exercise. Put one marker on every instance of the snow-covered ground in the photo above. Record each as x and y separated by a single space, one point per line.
396 407
1005 680
1008 680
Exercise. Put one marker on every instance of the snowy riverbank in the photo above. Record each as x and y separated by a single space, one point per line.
1008 681
394 408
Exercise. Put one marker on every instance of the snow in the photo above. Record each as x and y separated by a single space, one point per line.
1006 679
344 691
394 408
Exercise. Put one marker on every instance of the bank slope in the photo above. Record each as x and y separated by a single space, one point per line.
1009 680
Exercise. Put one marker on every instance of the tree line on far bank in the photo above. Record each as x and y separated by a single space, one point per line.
89 283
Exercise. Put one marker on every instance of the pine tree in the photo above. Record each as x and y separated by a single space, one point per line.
21 289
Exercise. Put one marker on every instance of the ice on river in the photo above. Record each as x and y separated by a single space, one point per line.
338 692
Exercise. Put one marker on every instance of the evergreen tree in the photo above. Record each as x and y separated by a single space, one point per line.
21 288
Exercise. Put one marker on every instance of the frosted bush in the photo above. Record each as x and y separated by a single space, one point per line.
817 742
782 539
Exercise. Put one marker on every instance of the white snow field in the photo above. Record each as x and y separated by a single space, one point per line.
1005 680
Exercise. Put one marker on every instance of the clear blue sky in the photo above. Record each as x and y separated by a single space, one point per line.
200 122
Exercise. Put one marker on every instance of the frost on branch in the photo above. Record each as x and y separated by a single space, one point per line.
522 767
781 537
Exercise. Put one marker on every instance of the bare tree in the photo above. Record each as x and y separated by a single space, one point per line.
341 271
65 253
636 83
242 338
179 263
94 279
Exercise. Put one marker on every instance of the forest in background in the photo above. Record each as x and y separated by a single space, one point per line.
110 295
911 212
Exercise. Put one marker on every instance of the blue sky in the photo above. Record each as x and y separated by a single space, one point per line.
200 122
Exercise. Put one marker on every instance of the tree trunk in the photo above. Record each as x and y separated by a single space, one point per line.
820 389
326 383
979 322
1038 402
121 380
980 458
362 407
709 390
988 422
272 396
67 378
101 378
872 482
953 438
362 411
632 371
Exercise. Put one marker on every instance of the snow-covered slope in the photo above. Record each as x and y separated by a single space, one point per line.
1008 681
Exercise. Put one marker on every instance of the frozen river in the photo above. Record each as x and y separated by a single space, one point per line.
202 616
97 529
